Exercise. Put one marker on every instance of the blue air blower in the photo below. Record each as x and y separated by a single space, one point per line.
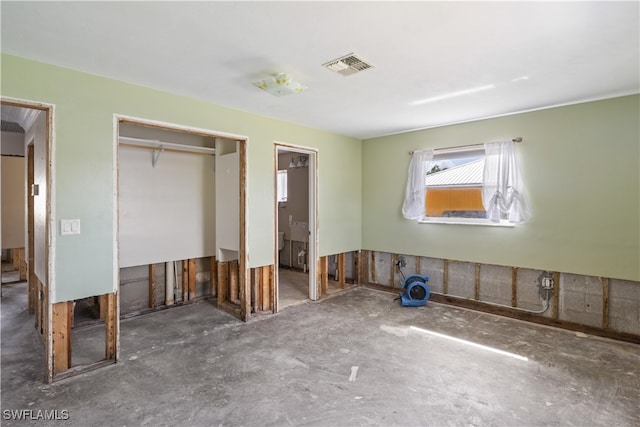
415 291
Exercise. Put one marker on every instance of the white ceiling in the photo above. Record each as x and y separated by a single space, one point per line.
535 55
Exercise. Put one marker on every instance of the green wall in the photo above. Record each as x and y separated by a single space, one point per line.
83 167
581 166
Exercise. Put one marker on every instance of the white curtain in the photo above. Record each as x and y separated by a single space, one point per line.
413 207
503 192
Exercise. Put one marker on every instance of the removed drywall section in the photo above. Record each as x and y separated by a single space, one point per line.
609 307
496 284
139 295
581 299
624 306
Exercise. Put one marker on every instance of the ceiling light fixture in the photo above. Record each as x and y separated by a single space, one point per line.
453 94
280 84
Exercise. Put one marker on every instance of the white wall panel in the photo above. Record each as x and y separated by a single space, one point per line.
166 212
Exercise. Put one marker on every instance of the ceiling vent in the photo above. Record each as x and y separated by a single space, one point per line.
347 65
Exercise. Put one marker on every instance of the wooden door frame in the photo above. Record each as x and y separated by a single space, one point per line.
50 238
313 153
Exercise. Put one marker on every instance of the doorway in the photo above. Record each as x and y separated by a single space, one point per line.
28 138
192 181
296 241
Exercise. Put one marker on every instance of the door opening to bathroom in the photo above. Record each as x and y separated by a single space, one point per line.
295 224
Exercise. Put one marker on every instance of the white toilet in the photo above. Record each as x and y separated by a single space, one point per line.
280 240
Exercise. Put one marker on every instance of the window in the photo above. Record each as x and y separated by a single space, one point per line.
478 184
282 186
453 185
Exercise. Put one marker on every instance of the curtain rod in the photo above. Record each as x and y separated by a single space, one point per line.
517 139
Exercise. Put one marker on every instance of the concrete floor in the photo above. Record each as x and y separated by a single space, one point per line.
350 360
293 287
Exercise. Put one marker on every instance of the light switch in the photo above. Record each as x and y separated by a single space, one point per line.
69 226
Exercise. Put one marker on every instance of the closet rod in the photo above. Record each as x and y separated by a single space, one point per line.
516 139
156 145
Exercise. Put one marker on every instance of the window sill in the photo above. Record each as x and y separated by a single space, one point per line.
467 221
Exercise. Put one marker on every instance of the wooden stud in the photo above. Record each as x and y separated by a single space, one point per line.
342 269
275 292
110 325
152 285
324 275
257 289
418 264
45 329
605 302
445 276
392 269
185 280
234 295
514 286
556 295
22 267
192 279
61 328
476 293
223 281
213 276
372 268
104 306
266 288
363 269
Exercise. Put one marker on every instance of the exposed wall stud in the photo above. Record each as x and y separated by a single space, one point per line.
324 275
266 287
61 328
374 278
223 281
185 280
152 285
257 289
556 295
476 293
605 302
514 286
213 276
342 269
234 295
103 306
111 327
275 292
191 278
445 276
